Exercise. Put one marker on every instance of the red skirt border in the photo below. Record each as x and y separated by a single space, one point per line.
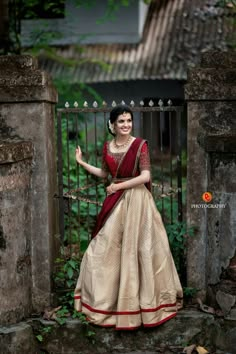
137 312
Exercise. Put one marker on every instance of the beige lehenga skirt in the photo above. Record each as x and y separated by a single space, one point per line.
128 277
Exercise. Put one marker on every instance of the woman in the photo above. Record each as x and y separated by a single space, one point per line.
128 277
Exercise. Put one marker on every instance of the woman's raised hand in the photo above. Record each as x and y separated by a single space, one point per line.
94 170
78 154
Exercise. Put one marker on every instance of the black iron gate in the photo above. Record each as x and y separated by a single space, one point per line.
80 195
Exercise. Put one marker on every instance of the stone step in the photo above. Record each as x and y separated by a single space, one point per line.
217 335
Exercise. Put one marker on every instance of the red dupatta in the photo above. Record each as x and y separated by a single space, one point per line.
126 169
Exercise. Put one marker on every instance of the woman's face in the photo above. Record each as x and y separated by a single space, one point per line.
123 124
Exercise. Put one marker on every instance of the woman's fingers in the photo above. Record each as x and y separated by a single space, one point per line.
78 150
110 189
78 153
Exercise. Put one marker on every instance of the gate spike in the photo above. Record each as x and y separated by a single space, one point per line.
169 103
160 103
141 103
123 102
67 105
95 104
104 104
85 104
132 104
113 104
151 103
76 105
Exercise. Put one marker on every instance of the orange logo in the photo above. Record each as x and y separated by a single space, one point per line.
207 197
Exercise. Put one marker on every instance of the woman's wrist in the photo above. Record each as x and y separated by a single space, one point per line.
80 162
118 186
112 188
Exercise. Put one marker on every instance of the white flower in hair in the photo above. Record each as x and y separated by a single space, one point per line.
111 127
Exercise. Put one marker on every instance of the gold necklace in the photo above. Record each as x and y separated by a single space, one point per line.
122 145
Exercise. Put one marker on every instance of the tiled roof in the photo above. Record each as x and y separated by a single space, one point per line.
175 34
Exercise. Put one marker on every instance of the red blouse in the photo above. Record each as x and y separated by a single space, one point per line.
111 160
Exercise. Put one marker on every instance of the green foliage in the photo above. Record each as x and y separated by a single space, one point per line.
33 9
112 7
89 333
42 38
65 278
43 332
62 315
168 205
72 92
189 292
39 337
66 274
177 234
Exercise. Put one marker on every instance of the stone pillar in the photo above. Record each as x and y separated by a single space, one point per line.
27 100
211 99
15 235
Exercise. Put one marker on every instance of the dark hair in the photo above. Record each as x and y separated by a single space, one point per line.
116 111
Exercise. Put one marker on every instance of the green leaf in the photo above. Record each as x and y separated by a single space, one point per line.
61 320
47 329
72 263
60 275
90 334
70 283
39 337
70 273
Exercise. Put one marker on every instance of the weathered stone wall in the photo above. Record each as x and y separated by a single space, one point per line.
27 100
211 96
15 255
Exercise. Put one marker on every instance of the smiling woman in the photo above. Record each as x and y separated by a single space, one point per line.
121 128
128 277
